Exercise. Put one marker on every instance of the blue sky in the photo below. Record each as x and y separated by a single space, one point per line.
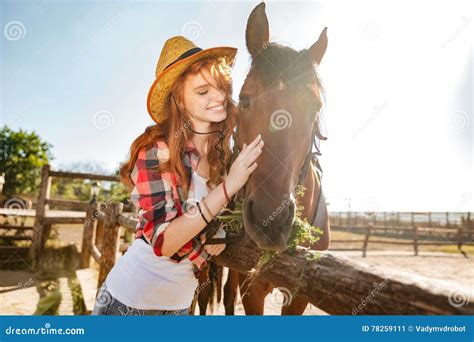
398 77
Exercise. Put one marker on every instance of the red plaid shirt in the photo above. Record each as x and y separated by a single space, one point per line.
160 199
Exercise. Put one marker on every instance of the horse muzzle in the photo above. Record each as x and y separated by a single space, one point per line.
270 229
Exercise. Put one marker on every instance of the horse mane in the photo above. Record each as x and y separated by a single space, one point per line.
275 62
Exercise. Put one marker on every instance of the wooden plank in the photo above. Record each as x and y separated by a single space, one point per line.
17 212
77 175
99 233
15 237
7 251
49 213
415 239
88 282
128 222
68 204
65 213
66 306
393 242
90 225
441 243
64 220
72 205
366 240
100 215
346 249
41 209
347 241
110 245
7 227
96 253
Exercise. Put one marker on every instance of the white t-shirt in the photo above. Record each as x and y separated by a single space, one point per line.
142 280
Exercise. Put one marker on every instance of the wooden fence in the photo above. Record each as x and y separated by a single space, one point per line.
73 212
414 232
402 293
102 236
320 282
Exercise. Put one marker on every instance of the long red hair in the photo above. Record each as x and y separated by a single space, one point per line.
175 132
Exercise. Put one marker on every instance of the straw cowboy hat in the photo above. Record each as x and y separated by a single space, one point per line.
177 55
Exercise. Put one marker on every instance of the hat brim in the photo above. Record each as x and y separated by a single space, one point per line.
161 87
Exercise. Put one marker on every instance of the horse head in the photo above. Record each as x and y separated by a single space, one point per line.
280 99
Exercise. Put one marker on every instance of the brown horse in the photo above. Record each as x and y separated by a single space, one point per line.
280 99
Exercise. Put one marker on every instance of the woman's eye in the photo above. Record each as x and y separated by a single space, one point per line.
202 92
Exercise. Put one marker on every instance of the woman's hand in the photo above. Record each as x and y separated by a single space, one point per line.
244 165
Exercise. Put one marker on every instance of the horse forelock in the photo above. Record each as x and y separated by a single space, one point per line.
277 63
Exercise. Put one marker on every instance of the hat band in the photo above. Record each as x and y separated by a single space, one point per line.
184 55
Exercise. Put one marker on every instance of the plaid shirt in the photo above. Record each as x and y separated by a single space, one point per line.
160 199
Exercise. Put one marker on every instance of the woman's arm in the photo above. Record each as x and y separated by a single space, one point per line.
184 228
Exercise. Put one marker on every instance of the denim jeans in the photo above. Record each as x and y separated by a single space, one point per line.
106 304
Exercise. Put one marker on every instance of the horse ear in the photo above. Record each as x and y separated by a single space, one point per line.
318 49
257 33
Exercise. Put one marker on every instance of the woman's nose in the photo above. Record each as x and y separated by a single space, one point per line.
218 95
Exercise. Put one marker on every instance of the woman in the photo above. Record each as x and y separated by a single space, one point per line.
177 172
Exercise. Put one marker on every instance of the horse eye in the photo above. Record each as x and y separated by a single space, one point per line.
244 102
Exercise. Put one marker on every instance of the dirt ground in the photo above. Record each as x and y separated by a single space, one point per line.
445 266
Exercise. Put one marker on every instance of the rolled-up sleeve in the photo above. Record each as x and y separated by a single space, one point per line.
153 195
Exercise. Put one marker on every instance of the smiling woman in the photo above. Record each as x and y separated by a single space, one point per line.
177 173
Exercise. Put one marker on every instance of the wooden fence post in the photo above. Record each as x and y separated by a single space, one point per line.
99 233
111 240
415 239
366 240
46 233
469 226
448 225
460 233
37 241
90 225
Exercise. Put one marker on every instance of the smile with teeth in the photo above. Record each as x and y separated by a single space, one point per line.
217 109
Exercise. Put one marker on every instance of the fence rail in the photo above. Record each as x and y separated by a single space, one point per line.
72 212
414 231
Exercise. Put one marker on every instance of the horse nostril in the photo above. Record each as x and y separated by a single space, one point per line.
250 212
250 204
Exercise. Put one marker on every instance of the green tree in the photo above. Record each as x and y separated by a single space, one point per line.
79 189
22 155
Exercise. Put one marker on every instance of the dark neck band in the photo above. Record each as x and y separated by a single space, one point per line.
185 55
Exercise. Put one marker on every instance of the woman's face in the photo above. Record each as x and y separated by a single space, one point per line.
202 99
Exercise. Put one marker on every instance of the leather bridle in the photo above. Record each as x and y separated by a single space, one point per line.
310 156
